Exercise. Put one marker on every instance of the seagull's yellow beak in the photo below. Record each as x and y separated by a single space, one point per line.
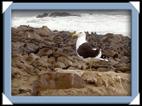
73 33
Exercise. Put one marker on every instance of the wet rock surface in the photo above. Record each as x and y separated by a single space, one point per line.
37 51
55 14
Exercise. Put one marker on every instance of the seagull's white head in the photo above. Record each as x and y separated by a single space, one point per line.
81 38
78 33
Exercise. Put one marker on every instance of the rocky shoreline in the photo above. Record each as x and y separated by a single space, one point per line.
37 51
56 14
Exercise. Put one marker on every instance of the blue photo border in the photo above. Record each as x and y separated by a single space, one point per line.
71 99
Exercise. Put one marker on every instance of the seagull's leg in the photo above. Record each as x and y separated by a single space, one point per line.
90 64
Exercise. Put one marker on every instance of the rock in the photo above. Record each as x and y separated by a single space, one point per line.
56 80
51 60
15 91
56 14
106 79
32 35
41 65
24 90
29 69
100 64
61 14
24 28
28 48
16 73
42 15
44 31
20 63
25 94
64 60
125 59
113 45
45 52
31 58
73 71
58 39
60 65
16 47
103 69
122 67
110 53
36 51
79 65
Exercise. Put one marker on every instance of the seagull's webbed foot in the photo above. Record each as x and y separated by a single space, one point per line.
102 59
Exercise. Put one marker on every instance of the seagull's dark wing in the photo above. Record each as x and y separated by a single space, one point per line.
85 50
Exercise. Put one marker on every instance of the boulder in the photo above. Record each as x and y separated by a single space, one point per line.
107 79
42 15
55 80
45 52
64 60
31 58
28 48
44 31
60 65
60 14
123 67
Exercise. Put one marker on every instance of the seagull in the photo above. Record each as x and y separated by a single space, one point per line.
85 51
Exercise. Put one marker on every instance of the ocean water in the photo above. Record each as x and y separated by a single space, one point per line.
101 22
